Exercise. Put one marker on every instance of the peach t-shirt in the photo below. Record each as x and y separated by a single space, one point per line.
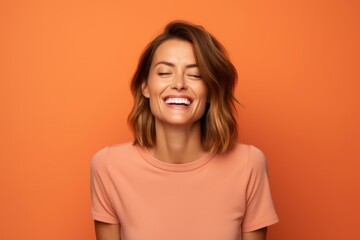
215 197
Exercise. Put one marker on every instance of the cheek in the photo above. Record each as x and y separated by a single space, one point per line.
151 90
203 95
204 92
156 87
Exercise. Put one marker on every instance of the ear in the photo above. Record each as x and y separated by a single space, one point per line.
145 90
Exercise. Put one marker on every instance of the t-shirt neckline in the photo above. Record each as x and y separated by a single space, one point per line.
172 167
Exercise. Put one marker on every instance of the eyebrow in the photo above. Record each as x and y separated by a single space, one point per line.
173 65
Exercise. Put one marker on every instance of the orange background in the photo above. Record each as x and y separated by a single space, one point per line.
65 68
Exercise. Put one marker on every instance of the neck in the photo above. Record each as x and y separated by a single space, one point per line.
178 144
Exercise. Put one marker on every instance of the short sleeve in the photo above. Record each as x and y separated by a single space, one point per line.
101 207
260 211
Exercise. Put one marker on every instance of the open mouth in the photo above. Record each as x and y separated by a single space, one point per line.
178 101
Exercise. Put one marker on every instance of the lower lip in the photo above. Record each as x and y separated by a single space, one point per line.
174 106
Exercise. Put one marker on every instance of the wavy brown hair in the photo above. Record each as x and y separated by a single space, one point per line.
218 124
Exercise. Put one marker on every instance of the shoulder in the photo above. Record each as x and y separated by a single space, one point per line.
245 149
256 155
251 155
256 162
107 154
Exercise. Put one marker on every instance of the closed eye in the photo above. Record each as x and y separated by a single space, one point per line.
164 74
194 76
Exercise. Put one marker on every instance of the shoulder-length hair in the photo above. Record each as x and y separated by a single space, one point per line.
218 124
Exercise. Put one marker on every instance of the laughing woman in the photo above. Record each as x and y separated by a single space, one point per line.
184 177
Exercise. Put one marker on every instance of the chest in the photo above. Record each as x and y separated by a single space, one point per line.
196 205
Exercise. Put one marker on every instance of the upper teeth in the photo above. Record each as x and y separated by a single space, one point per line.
178 101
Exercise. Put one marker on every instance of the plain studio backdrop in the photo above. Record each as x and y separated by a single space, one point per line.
65 69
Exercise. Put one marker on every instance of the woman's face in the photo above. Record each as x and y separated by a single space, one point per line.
176 92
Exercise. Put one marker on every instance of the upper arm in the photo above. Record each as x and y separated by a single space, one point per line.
101 189
259 234
260 211
106 231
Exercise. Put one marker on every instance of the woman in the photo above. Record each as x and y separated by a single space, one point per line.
184 177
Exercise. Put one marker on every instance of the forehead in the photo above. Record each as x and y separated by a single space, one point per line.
174 50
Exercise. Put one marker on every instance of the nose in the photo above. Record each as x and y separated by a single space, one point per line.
179 83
